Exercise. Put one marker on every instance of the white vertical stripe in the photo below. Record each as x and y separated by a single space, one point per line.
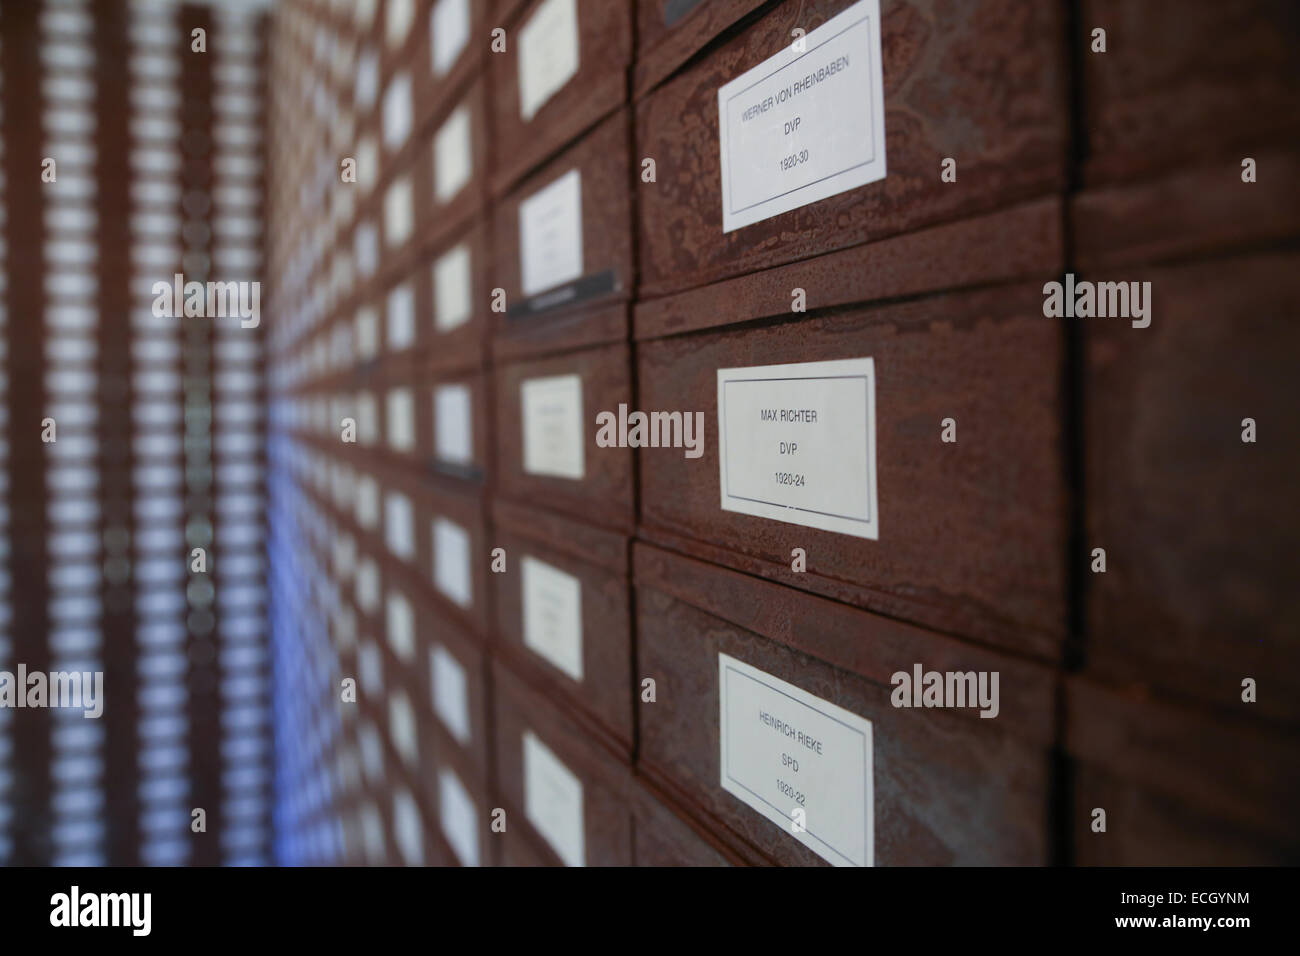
77 759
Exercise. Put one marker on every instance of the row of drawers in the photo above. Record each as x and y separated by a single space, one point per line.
948 787
1008 132
975 533
1137 116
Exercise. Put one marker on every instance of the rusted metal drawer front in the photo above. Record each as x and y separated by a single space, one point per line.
1193 211
448 211
445 771
390 802
1199 587
594 560
439 80
670 32
367 587
1179 787
950 787
453 288
449 678
456 452
983 83
451 833
606 815
452 550
433 530
663 838
520 849
577 312
972 535
1021 243
434 305
599 85
405 413
1181 83
603 495
402 25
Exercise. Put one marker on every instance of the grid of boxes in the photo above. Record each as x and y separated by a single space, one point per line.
493 222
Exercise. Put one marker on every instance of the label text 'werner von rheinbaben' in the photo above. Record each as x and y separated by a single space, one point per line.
806 123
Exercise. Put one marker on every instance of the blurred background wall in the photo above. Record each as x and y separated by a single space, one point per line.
134 479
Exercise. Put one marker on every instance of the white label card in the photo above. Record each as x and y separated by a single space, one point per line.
784 750
365 248
367 510
372 752
451 289
453 155
401 317
401 419
397 111
449 24
367 585
400 626
398 23
548 53
367 85
458 817
806 123
453 424
552 601
397 212
451 693
367 164
408 830
370 669
550 235
552 421
401 727
451 567
367 324
397 525
797 443
553 801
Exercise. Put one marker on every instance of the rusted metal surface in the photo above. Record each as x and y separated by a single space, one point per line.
982 82
598 559
597 88
1186 84
1198 591
950 788
663 837
604 495
588 310
606 814
972 533
1180 786
1022 242
670 32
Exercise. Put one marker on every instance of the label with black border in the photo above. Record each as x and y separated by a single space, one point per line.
797 443
806 123
800 761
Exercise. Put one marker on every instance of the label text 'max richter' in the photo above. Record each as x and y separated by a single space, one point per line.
788 415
